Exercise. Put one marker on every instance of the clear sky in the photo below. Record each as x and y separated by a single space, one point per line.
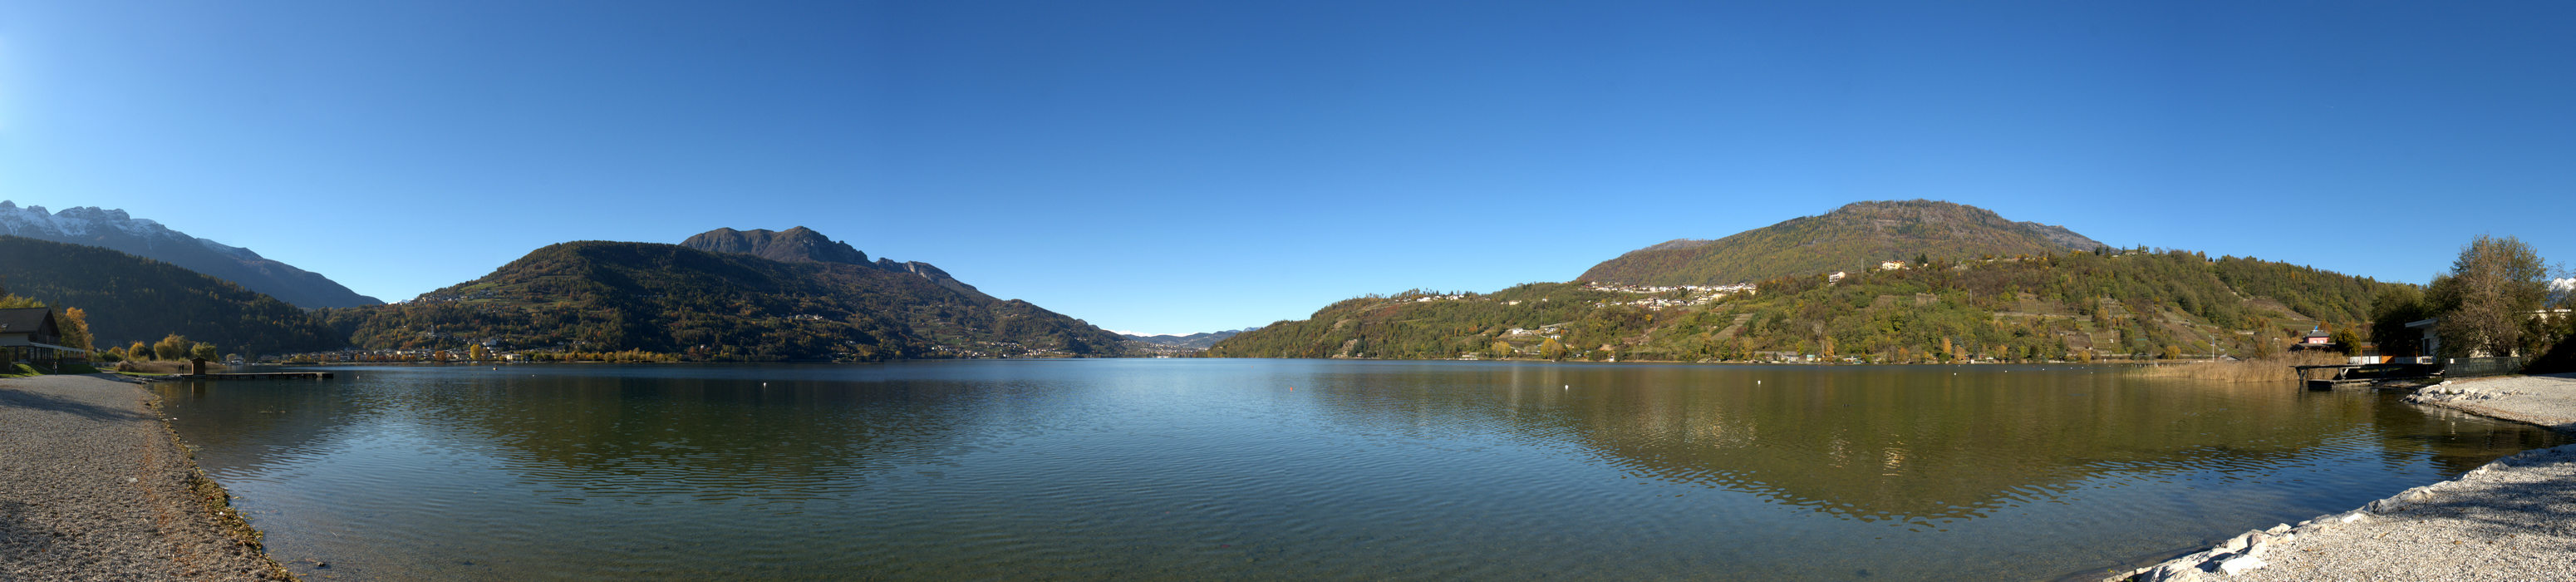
1191 166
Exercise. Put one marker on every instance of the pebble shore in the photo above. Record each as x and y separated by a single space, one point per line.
2512 519
94 486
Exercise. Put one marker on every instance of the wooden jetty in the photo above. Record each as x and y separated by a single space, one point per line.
2358 375
197 371
258 376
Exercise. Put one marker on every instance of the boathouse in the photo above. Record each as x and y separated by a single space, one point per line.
30 334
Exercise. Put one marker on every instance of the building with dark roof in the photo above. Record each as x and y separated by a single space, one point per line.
30 334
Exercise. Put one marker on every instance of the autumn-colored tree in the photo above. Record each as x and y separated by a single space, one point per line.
1500 349
1552 350
171 347
139 351
75 328
479 353
1949 353
2173 352
204 351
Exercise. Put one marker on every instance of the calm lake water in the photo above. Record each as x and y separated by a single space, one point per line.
1195 469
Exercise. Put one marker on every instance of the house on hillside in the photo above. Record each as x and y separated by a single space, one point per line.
30 334
1891 265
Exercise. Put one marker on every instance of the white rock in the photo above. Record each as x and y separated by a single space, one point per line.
2234 544
2240 564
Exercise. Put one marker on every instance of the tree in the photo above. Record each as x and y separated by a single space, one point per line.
2173 352
2390 311
2487 300
171 347
139 351
204 351
479 353
1552 350
8 301
75 330
1500 349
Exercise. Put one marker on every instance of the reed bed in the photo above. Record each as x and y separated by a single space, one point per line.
2273 368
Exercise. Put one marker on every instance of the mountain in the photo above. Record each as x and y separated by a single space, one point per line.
1992 289
1852 238
1193 341
798 244
595 296
130 299
113 229
803 245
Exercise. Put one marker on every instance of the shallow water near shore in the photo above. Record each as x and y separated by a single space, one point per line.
1191 469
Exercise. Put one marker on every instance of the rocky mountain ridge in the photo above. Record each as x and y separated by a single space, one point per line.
800 244
116 230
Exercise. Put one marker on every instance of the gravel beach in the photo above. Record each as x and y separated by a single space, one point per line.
94 487
2513 519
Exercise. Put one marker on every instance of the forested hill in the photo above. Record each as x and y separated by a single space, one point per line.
615 296
2064 305
130 299
1852 238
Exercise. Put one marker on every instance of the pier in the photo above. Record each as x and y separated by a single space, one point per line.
257 376
2359 375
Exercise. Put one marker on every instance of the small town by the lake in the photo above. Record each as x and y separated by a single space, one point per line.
2115 292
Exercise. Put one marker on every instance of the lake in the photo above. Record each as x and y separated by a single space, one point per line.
1290 469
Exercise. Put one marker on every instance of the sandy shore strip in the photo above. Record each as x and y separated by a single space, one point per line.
94 486
2513 519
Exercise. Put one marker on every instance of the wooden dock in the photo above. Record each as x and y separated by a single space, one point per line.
2360 375
258 376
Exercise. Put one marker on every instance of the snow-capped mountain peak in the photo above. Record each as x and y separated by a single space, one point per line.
116 229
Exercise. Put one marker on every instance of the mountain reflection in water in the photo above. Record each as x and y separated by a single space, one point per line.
1181 469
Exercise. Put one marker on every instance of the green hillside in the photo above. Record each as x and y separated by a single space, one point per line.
614 296
1852 238
2062 305
130 298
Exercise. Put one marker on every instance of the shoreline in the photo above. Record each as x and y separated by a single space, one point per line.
2511 519
97 485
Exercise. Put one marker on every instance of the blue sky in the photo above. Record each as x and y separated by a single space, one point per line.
1192 166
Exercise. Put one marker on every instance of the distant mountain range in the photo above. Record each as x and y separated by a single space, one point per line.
754 295
114 229
130 299
1855 237
1193 341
